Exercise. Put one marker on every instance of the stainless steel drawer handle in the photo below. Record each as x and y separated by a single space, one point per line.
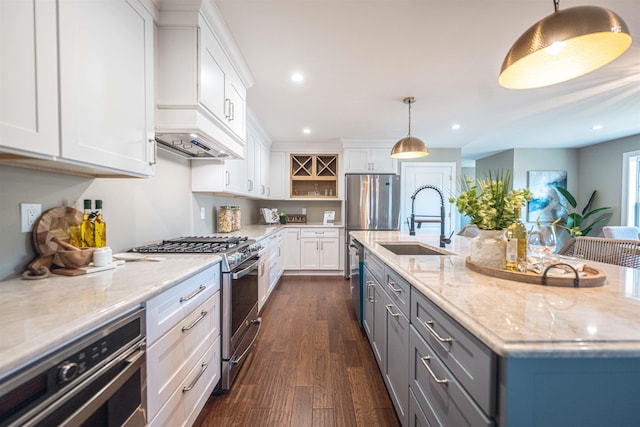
392 286
193 294
195 380
424 361
429 325
202 314
391 312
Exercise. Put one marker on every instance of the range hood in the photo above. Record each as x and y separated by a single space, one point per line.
190 145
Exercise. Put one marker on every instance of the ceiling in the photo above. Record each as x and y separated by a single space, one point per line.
360 58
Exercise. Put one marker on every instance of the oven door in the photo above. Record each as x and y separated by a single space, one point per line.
240 321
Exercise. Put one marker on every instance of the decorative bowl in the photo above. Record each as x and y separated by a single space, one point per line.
73 258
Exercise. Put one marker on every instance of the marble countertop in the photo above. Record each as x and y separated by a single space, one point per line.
517 319
38 316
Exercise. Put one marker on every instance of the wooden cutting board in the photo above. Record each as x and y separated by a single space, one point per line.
85 270
58 222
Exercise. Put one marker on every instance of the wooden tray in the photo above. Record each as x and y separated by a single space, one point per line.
589 277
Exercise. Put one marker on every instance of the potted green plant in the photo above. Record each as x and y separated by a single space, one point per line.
576 223
283 218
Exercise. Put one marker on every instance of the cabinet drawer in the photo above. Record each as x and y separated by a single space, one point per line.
375 266
472 363
319 232
172 356
443 404
399 290
183 407
417 418
167 309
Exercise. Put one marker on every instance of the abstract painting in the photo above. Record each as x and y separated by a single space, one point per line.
546 203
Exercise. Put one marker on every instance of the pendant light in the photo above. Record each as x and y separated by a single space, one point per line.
409 147
563 46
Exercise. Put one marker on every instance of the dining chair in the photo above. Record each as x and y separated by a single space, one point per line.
625 253
621 232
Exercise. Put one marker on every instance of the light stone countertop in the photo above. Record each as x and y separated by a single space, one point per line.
38 316
518 319
261 231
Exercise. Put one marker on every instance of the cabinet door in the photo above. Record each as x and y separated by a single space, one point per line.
397 361
329 254
106 84
263 171
368 303
292 249
28 77
279 175
235 107
381 160
251 163
212 77
356 160
309 254
379 343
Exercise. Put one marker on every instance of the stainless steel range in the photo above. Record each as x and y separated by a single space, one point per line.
239 292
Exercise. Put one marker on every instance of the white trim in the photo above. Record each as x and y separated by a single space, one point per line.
625 210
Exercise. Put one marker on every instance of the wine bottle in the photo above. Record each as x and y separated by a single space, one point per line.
99 227
86 227
516 244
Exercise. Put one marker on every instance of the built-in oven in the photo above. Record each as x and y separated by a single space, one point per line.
240 321
356 254
97 380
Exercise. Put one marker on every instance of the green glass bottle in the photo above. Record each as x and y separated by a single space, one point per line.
86 228
99 227
516 244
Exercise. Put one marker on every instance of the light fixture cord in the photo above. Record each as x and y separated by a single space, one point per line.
556 5
409 118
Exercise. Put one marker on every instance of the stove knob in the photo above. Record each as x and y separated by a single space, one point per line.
67 372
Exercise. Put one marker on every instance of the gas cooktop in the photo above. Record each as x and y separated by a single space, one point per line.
196 244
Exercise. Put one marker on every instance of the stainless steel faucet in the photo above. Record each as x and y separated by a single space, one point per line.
412 230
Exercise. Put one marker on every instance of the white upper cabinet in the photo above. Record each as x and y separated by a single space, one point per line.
278 175
369 160
104 87
29 77
202 82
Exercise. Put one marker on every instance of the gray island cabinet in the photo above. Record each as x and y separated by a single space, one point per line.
457 348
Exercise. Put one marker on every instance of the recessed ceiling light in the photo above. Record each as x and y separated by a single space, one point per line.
455 126
297 77
306 131
597 127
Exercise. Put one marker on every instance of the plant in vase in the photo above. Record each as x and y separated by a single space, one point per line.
490 204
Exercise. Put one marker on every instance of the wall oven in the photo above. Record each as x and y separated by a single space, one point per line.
97 380
239 292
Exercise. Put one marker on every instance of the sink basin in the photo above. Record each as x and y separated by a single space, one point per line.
411 249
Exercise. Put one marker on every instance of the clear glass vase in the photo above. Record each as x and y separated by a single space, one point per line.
489 248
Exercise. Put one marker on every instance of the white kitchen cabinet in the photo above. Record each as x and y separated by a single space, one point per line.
199 86
278 175
369 160
104 87
183 348
292 249
215 176
263 278
276 258
319 249
29 77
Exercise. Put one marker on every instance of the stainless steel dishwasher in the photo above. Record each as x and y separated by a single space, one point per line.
356 253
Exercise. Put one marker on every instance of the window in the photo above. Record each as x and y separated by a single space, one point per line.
631 189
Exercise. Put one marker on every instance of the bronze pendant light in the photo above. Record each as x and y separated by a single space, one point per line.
409 147
565 45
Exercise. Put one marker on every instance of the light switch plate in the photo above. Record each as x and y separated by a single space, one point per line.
29 213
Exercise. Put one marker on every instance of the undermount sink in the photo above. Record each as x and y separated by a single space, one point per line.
411 249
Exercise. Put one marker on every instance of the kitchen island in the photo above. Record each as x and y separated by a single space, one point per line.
555 355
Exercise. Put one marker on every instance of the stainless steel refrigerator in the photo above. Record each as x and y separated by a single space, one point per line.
372 202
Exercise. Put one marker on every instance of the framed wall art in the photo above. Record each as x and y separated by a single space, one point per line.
546 203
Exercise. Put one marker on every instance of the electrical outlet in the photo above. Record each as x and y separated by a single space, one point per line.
202 213
29 213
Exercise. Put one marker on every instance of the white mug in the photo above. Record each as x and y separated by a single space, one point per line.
102 257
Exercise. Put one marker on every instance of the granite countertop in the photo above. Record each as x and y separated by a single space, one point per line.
38 316
518 319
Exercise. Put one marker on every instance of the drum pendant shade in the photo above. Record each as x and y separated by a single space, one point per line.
563 46
409 147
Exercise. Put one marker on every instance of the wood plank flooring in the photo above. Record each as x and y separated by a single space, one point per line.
311 366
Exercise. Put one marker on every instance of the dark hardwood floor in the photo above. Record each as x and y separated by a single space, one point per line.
311 365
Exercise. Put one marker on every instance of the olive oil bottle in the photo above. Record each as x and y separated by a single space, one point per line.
86 227
99 227
516 244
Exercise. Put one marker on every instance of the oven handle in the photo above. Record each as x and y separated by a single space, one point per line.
134 359
245 271
237 359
